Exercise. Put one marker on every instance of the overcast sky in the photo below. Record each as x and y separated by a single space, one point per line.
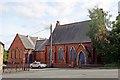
33 17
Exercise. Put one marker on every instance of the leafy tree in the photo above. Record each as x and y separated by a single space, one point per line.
98 31
5 56
115 39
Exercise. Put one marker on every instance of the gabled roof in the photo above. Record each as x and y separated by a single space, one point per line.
40 45
71 33
28 42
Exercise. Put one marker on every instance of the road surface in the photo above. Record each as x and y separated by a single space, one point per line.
64 73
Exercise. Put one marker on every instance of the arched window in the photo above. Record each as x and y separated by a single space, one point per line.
11 55
81 58
15 54
18 52
61 54
20 49
72 53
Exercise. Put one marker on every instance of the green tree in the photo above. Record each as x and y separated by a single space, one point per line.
112 58
115 39
98 31
5 56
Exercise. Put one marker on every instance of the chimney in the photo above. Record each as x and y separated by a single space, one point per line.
57 24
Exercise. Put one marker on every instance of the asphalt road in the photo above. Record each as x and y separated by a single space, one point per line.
64 73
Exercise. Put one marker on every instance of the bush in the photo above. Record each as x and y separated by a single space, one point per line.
112 65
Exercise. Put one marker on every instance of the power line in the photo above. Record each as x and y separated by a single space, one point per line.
39 31
29 34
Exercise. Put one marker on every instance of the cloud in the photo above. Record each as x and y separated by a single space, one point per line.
27 9
22 10
38 8
35 15
2 8
62 8
26 1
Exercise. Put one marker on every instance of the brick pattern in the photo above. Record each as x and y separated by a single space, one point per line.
17 49
16 52
66 47
40 56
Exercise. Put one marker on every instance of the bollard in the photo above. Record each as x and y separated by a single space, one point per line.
28 68
24 68
16 68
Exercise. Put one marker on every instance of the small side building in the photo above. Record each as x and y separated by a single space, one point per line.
1 56
40 50
21 49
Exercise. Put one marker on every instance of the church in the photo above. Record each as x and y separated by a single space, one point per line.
70 45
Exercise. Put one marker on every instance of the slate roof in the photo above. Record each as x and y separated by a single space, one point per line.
40 45
71 33
28 42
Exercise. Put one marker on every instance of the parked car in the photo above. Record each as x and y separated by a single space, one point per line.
37 65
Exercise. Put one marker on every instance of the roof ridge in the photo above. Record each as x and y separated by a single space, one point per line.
31 41
74 23
42 40
26 35
21 35
28 41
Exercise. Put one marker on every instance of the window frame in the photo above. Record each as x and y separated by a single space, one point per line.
72 55
61 54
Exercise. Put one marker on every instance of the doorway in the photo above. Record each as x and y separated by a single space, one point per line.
30 58
81 58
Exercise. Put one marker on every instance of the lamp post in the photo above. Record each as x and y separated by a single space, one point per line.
51 45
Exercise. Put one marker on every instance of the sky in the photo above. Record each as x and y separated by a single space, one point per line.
34 17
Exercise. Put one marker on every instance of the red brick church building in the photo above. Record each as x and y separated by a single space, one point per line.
71 45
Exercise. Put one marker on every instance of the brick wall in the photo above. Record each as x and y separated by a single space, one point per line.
40 56
16 51
66 48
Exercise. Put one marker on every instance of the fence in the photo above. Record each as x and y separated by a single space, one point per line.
16 68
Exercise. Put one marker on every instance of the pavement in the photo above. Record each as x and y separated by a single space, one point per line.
64 73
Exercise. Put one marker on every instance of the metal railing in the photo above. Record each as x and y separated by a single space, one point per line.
16 68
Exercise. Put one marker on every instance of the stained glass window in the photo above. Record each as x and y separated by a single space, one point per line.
72 54
61 54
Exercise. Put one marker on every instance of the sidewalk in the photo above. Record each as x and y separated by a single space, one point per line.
13 70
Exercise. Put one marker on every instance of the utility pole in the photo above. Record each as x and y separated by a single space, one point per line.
51 45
